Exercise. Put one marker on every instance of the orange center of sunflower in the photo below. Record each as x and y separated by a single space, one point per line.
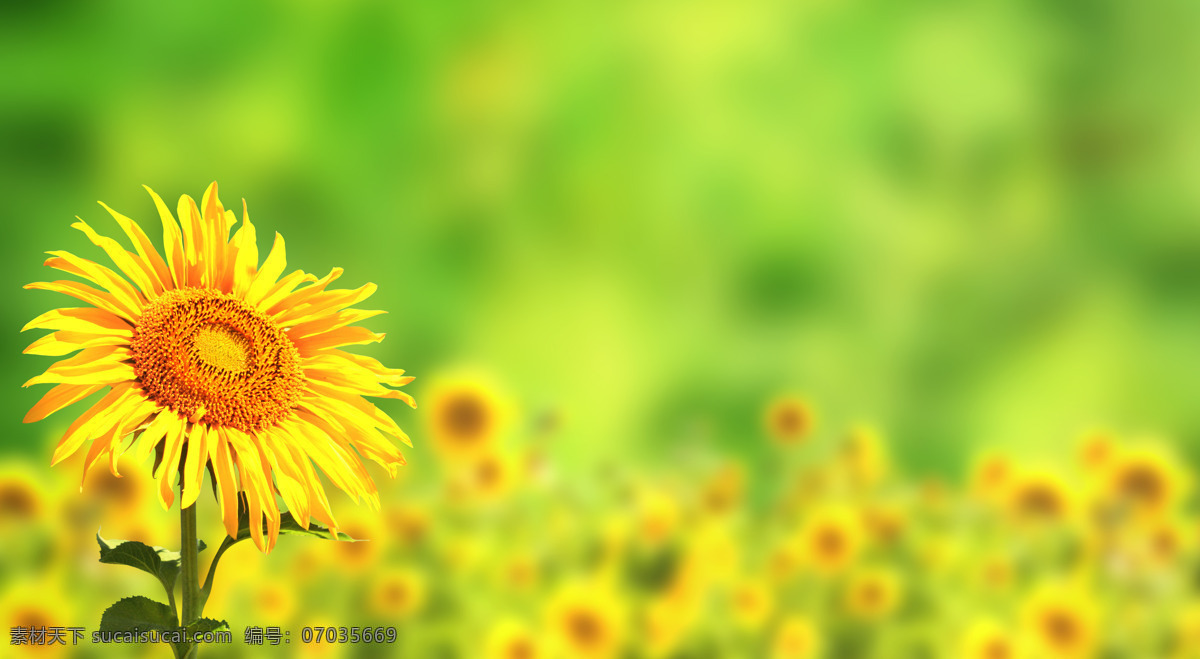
208 355
584 628
466 417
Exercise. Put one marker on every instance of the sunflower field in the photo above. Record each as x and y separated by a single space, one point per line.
839 329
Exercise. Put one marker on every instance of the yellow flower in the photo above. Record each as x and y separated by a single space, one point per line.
831 539
37 605
398 593
873 593
586 621
657 516
985 639
1096 450
511 639
489 476
797 638
1143 480
21 498
214 361
466 418
1061 622
789 420
1039 496
751 602
991 476
884 522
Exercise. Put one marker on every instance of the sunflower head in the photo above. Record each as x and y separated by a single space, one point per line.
831 539
466 416
987 639
1037 496
586 621
398 593
789 420
512 639
212 360
751 603
796 638
873 593
1143 481
1062 622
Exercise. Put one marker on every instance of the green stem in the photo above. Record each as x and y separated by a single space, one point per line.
189 569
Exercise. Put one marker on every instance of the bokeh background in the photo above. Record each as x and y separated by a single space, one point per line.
936 230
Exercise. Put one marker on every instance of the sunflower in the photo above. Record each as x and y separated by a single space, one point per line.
831 539
1062 622
213 361
37 605
1038 496
512 639
1144 481
21 498
986 639
872 593
398 593
465 418
1186 637
789 420
664 626
586 621
1095 450
751 602
991 475
657 516
796 638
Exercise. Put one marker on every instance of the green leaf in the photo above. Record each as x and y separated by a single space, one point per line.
287 525
141 613
160 562
207 625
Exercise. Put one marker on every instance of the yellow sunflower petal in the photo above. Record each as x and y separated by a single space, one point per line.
271 268
82 319
151 260
100 275
59 397
86 293
135 269
77 433
172 242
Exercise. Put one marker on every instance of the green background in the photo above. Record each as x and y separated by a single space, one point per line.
963 222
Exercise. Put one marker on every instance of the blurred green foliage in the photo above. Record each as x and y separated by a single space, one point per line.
963 222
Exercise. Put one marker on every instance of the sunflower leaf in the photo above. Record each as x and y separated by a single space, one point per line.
137 614
162 563
288 525
207 625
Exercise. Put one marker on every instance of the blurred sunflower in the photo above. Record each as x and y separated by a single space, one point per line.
789 420
986 639
214 362
1061 622
465 418
490 476
1095 450
22 498
511 639
34 606
751 603
665 625
657 516
721 493
991 476
1144 481
1038 496
398 593
872 593
831 539
586 621
796 638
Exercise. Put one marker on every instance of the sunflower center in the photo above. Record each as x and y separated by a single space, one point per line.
466 417
210 356
223 348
